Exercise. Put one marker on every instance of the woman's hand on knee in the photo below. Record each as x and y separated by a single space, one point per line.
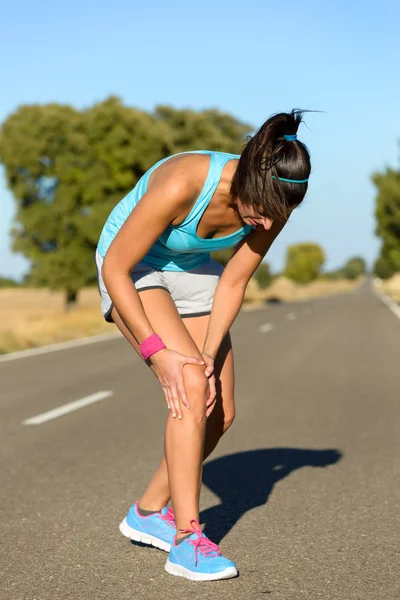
168 367
209 362
212 396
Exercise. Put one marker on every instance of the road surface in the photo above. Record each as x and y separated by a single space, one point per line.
303 493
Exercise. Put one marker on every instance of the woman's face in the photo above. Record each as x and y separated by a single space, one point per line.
257 221
251 217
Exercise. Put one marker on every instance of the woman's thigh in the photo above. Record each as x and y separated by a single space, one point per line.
164 319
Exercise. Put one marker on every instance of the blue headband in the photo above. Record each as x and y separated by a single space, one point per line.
290 138
290 180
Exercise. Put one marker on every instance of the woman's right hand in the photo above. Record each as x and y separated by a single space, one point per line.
168 368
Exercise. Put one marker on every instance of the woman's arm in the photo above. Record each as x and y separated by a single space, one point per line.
166 200
158 207
232 286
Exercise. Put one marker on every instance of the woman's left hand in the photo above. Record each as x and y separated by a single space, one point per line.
211 379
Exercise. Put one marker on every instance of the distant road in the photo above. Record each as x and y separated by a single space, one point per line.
303 492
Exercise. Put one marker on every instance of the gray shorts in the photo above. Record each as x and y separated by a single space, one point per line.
192 291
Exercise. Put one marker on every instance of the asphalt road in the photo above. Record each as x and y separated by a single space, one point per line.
303 493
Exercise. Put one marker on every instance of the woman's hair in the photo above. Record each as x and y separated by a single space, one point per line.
266 158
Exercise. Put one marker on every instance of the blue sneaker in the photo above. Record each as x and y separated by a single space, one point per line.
198 558
156 530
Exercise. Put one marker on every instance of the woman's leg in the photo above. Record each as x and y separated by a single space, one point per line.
224 411
158 492
184 439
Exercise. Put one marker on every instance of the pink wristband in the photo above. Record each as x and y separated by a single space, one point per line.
151 345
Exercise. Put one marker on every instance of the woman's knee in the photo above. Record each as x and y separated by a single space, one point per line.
196 389
195 380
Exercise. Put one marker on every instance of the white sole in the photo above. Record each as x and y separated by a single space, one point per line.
179 571
139 536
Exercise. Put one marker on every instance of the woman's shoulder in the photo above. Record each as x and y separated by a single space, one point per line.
192 166
189 169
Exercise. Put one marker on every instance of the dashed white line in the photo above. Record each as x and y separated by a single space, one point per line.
291 316
67 408
266 327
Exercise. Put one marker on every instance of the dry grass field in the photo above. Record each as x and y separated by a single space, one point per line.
287 291
391 287
36 317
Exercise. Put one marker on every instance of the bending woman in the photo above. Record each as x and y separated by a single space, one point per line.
175 306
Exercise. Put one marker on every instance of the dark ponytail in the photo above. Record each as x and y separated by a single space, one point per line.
266 158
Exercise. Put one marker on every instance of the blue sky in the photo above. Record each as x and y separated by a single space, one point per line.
251 59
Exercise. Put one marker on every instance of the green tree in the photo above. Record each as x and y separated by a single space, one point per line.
205 130
7 282
67 169
387 214
123 144
304 262
263 275
354 268
44 152
383 268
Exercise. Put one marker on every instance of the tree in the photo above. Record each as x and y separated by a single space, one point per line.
383 268
304 262
44 153
263 275
124 143
205 130
8 282
67 169
354 268
387 214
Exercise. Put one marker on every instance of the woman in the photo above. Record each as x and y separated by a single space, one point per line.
175 306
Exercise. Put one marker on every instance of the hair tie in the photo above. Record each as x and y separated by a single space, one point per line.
291 137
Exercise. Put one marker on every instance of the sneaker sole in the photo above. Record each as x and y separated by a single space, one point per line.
144 538
179 571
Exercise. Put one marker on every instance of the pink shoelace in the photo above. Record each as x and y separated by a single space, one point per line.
169 517
202 544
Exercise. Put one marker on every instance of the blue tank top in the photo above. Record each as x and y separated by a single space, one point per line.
178 248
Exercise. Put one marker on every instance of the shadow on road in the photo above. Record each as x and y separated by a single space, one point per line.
245 480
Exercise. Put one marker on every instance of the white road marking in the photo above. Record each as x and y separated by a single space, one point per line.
395 308
266 327
291 316
67 408
104 337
